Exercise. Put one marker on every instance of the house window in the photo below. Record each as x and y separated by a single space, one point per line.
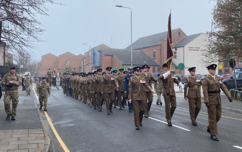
226 71
179 33
153 53
220 72
226 64
154 70
175 54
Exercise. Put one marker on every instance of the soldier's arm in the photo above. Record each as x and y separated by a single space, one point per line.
130 89
153 78
185 87
3 82
205 90
49 90
225 90
176 81
18 81
38 88
148 86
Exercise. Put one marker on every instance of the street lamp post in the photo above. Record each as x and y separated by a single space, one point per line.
120 6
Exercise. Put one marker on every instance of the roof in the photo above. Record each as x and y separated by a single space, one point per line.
124 56
186 40
151 40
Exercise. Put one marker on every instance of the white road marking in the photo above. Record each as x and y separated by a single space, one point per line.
237 147
172 125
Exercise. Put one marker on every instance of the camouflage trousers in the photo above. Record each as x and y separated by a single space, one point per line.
28 89
11 95
159 97
41 99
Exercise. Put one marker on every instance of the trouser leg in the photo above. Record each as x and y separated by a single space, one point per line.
212 119
112 99
7 100
158 97
45 102
150 100
143 106
107 100
15 100
120 102
198 105
136 108
167 108
173 104
191 103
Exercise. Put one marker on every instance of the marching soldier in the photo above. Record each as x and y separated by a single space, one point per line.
11 81
89 89
158 90
79 84
37 80
115 102
193 95
94 97
137 95
58 77
170 95
49 75
108 89
126 87
27 84
43 91
84 88
211 90
119 81
149 95
99 89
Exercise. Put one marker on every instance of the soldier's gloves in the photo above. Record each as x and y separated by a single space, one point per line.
165 75
230 99
180 85
207 105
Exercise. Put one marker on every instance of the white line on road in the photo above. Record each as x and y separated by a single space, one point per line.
172 125
238 147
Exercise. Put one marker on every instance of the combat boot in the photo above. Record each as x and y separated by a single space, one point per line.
13 118
8 117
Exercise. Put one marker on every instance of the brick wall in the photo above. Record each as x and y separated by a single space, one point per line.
47 61
76 62
63 58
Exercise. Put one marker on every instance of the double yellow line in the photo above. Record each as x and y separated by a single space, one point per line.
63 145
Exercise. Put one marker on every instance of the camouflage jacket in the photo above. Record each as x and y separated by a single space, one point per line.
9 77
43 89
27 82
158 87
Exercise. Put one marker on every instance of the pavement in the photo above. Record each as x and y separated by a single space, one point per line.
27 133
73 126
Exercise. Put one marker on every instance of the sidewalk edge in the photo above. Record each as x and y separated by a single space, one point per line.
46 135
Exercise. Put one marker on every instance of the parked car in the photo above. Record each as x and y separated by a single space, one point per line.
225 76
230 83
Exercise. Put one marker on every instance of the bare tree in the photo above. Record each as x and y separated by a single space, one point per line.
20 27
225 37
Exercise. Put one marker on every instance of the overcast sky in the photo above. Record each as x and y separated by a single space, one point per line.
97 21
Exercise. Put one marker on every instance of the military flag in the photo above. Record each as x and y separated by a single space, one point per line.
170 53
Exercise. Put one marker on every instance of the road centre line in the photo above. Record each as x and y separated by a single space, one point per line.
166 123
63 145
237 147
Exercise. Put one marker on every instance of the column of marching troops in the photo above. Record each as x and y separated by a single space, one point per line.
114 88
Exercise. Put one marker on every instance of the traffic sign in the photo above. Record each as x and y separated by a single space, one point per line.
220 66
232 63
181 66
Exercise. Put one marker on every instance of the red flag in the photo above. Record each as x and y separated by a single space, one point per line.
170 53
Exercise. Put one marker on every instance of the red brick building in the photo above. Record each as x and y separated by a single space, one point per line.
75 62
155 47
47 61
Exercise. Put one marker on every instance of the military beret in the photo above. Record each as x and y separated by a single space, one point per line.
165 65
99 70
108 68
13 68
103 73
115 71
145 66
212 66
43 78
95 72
193 69
125 72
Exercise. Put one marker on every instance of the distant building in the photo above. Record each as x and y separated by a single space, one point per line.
155 47
75 62
47 61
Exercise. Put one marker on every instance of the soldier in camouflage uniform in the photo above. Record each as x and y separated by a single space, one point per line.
11 81
158 90
27 84
43 91
37 81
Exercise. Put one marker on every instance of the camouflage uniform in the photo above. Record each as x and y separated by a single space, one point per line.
27 84
158 90
43 89
37 81
11 93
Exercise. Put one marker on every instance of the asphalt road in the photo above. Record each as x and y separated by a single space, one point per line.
83 129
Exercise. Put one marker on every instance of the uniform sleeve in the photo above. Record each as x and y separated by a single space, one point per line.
185 87
161 77
18 81
147 86
38 88
155 86
3 82
205 90
130 89
49 90
176 81
153 78
225 90
116 81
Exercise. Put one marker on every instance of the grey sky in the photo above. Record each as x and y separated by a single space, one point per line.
97 21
